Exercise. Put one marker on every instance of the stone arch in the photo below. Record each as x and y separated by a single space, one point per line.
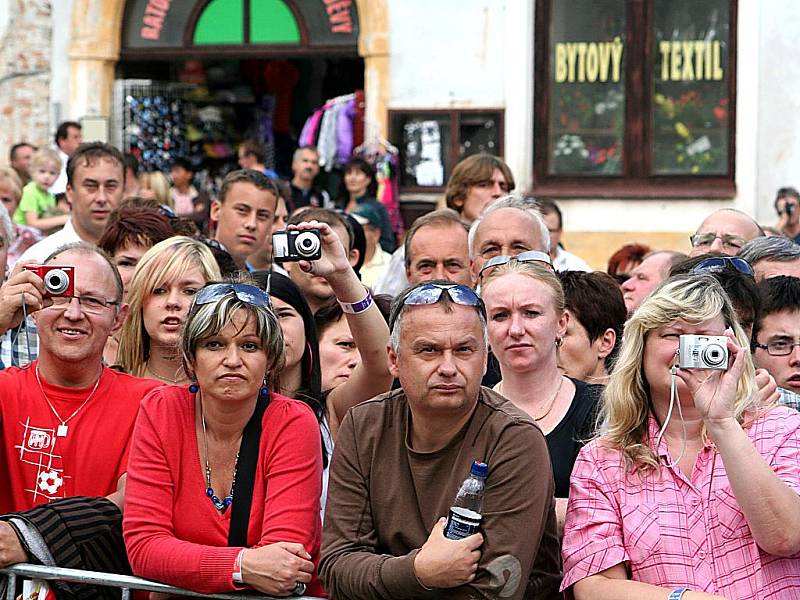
95 48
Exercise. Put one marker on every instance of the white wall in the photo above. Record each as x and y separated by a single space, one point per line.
447 54
779 102
3 17
59 80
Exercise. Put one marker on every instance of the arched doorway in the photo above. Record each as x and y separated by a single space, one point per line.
96 44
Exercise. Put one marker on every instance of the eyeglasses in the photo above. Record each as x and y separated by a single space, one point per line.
778 347
523 257
243 291
89 304
715 264
699 240
621 278
431 293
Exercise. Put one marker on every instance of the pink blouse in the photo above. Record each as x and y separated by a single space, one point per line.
677 532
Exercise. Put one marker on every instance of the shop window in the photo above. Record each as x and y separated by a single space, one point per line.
432 142
635 97
225 22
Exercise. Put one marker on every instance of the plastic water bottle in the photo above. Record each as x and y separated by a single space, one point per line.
465 516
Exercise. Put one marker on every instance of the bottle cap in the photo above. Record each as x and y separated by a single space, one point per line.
479 469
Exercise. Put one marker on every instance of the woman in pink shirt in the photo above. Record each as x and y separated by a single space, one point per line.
691 490
200 452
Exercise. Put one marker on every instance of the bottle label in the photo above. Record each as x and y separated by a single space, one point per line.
461 523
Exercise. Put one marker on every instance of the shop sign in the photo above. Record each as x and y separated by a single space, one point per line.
162 23
590 62
693 60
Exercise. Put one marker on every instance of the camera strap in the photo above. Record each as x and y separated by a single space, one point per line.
673 399
246 476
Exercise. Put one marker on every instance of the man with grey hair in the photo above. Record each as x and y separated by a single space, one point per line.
772 256
508 227
305 167
384 536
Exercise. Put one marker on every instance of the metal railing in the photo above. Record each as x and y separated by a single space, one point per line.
126 583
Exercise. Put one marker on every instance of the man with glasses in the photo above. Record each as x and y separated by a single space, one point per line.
724 231
776 341
66 419
401 457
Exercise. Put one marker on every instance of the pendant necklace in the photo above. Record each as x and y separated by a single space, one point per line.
221 505
62 429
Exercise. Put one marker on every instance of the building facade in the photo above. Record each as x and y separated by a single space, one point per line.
638 117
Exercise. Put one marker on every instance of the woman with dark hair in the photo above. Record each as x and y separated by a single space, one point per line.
359 187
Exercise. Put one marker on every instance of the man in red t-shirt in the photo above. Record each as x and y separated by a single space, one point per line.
66 419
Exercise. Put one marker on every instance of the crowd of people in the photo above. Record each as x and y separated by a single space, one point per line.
179 404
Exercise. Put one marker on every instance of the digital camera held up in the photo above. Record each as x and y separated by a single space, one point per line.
58 281
293 245
703 352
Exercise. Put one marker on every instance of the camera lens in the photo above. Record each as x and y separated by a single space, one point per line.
714 355
307 243
56 281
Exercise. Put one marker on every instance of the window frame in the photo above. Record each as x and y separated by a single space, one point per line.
639 83
398 116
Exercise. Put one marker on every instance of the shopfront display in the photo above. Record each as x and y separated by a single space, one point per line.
635 97
223 71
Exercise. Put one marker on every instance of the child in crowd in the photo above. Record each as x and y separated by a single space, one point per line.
38 207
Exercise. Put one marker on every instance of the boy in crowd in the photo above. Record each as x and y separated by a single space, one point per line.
776 336
38 207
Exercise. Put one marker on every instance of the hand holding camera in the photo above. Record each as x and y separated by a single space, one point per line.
314 245
711 366
25 288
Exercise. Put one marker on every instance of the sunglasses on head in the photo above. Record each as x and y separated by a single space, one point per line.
715 264
431 293
243 291
523 257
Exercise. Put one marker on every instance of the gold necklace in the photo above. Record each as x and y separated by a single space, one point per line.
150 370
550 406
62 429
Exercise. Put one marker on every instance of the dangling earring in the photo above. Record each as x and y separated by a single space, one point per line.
559 341
193 387
263 393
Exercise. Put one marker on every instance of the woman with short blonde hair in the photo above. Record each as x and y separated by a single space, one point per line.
160 295
527 321
691 489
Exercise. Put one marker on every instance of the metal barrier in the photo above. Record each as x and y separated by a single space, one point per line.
125 582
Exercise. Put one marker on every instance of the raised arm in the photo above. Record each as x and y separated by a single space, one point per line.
767 493
370 332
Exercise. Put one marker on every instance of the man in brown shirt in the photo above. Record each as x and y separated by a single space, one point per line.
401 457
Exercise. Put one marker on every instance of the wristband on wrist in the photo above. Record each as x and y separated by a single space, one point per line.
357 307
237 568
677 593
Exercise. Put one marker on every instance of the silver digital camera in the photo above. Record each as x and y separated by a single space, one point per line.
703 352
294 245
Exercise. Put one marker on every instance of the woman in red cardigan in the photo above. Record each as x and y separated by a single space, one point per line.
191 444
